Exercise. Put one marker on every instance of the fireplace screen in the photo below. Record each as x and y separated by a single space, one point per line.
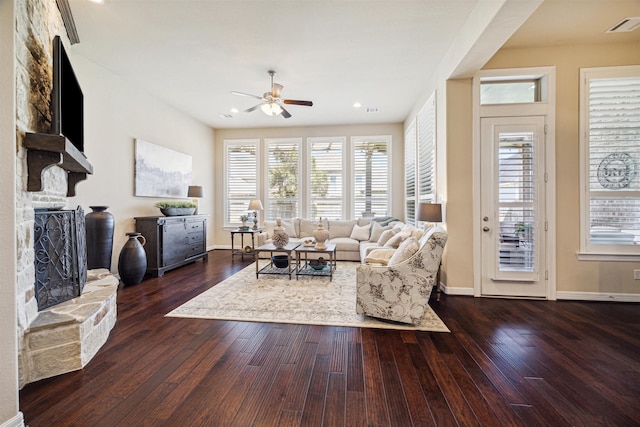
60 256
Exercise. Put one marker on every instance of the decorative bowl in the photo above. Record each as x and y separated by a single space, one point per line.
318 264
280 261
177 211
318 267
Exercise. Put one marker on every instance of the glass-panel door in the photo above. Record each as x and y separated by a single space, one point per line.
512 206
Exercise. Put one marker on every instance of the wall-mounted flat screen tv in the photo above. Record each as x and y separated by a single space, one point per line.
67 102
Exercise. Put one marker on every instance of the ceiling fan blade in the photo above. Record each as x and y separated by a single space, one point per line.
246 94
276 89
255 107
285 113
295 102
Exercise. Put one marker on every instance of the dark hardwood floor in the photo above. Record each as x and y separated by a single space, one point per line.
506 362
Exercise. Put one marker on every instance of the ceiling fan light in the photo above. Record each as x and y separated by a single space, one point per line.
271 109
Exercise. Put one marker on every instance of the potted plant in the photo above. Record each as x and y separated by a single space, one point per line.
244 219
176 208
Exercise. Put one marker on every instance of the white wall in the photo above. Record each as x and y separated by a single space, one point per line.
116 113
9 413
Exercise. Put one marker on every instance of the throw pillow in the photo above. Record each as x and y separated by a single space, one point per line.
360 232
340 228
376 231
379 256
290 227
398 238
405 251
385 236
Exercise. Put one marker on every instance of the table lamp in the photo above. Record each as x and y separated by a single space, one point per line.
430 212
255 206
195 192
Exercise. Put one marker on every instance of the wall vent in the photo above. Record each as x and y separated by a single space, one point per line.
626 25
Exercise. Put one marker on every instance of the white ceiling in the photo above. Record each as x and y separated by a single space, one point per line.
193 53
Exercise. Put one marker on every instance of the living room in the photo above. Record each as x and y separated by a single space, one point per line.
111 150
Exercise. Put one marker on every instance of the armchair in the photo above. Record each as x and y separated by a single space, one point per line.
401 292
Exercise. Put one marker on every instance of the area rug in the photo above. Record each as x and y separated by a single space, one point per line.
309 300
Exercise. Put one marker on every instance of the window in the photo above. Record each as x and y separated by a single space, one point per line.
510 91
326 171
241 175
283 178
371 171
610 144
427 152
410 173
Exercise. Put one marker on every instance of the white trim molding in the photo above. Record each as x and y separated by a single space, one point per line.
456 290
597 296
16 421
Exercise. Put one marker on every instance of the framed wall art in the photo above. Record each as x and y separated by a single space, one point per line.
160 171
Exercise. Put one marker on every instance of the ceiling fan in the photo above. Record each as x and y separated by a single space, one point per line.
272 104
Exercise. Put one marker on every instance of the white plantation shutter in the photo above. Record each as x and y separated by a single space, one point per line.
612 131
241 163
326 171
427 152
371 169
283 178
410 172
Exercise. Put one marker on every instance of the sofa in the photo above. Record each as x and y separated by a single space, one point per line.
400 289
354 239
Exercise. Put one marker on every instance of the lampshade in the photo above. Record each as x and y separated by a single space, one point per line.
271 109
194 191
430 212
255 205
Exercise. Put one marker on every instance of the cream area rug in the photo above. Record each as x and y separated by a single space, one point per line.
309 300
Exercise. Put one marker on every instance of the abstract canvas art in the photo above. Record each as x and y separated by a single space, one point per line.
161 172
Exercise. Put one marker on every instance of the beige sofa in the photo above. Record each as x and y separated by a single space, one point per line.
354 239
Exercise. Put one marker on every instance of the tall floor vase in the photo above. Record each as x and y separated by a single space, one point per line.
132 262
99 226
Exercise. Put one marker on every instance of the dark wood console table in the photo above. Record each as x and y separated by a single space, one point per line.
172 241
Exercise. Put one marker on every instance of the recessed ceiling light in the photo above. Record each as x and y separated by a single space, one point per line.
234 110
97 1
357 105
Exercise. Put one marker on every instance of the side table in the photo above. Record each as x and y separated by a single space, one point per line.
241 251
306 269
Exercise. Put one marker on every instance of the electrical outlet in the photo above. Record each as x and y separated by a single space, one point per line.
636 274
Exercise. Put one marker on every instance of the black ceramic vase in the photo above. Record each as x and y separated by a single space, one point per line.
99 226
132 262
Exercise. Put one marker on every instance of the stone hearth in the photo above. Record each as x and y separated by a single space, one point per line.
65 337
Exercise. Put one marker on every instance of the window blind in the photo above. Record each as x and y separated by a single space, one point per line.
371 176
613 158
283 167
410 172
241 163
326 158
427 152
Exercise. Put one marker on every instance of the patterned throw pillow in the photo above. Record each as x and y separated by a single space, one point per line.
405 251
397 239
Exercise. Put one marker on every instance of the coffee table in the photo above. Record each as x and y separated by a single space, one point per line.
270 268
306 269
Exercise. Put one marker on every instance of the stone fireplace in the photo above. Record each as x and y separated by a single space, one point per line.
59 328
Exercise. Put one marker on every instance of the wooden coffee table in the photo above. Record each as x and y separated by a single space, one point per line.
270 268
302 255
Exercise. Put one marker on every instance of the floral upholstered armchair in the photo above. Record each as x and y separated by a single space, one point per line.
400 292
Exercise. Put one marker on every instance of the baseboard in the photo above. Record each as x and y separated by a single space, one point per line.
451 290
16 421
597 296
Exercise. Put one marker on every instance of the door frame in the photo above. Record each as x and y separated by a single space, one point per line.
546 107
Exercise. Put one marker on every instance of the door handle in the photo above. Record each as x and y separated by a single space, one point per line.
485 228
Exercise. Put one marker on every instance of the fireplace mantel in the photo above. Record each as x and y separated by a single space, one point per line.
46 150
